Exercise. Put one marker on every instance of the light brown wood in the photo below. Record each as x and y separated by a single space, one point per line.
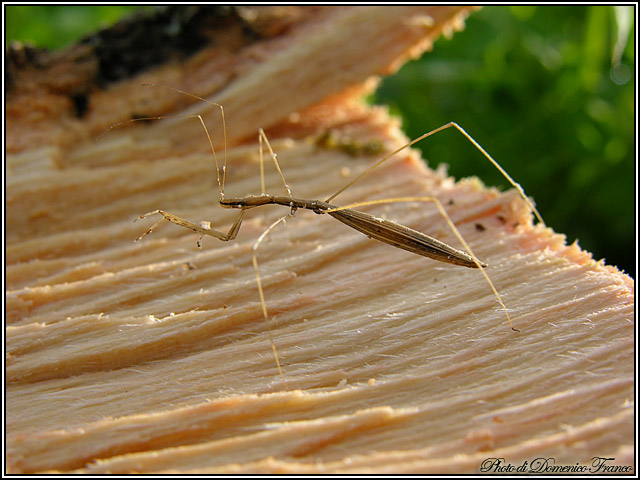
154 357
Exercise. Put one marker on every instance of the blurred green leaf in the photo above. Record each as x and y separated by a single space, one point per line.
53 27
537 87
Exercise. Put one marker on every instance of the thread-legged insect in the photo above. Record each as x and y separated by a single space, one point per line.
380 229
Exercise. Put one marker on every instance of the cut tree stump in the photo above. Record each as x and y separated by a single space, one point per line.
154 357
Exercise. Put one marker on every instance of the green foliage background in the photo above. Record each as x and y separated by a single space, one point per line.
548 91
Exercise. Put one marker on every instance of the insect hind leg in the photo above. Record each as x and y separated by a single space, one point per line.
453 228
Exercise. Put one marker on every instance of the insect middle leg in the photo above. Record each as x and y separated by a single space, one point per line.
254 251
263 303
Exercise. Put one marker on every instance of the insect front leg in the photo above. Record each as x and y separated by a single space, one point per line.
202 229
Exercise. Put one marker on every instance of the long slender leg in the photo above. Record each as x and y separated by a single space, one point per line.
453 228
263 137
265 313
516 185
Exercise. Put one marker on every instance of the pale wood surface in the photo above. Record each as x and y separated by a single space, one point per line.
154 356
